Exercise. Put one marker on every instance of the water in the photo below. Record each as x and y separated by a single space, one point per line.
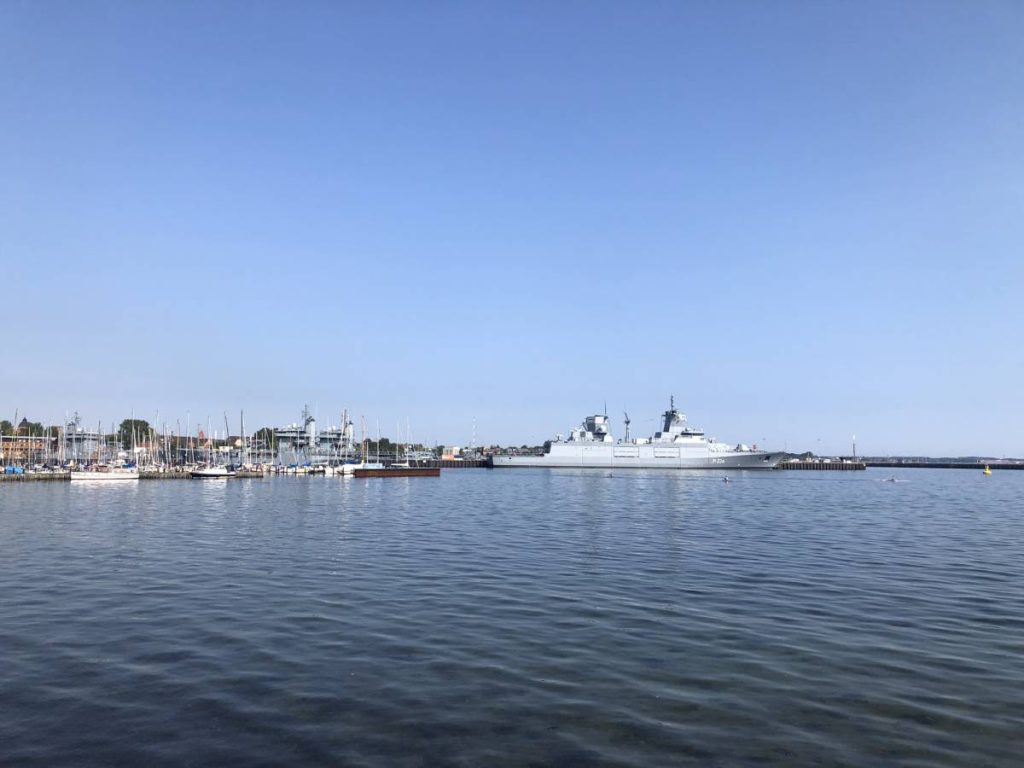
515 618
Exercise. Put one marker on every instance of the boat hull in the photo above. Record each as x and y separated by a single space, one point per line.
349 470
104 477
200 474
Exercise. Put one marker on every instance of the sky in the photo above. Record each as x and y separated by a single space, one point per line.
803 219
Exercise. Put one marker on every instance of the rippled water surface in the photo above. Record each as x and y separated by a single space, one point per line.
515 618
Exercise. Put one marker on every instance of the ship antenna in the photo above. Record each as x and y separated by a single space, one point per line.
627 425
672 402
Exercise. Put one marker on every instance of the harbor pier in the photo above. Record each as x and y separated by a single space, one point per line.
823 466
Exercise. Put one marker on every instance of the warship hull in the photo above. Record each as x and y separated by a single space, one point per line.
600 457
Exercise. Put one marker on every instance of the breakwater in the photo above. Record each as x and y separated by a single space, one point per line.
975 465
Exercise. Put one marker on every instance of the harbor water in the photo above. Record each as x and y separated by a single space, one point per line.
506 618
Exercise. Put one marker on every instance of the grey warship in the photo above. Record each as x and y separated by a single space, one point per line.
676 446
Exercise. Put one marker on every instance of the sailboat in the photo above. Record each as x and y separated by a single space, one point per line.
355 469
397 469
211 473
102 470
211 470
105 473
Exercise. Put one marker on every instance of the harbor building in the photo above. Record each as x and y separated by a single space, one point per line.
26 450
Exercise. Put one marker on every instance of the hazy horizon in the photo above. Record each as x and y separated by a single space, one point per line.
803 221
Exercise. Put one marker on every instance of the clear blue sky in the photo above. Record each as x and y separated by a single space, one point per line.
803 219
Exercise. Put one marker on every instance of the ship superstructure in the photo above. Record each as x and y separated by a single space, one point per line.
676 446
81 445
302 443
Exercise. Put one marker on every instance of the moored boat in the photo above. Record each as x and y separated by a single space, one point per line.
351 469
105 473
211 473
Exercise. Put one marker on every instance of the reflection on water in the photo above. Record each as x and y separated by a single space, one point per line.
514 618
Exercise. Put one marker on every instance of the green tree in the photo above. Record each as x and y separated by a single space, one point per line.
6 428
264 436
124 432
385 445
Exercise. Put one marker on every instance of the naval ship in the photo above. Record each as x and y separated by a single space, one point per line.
676 446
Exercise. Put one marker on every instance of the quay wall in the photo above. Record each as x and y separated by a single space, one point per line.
823 466
455 463
164 476
28 477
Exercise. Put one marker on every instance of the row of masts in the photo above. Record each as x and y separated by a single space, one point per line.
71 444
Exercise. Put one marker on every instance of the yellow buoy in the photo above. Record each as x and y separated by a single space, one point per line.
987 471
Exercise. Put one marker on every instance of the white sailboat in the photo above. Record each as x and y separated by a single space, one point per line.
349 469
211 473
101 469
211 470
105 473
